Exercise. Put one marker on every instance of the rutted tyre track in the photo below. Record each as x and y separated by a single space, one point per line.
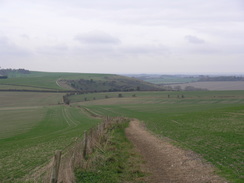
68 118
167 163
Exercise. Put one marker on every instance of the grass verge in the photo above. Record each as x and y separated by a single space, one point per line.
115 161
206 122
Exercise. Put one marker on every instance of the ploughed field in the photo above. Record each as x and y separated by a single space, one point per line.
207 122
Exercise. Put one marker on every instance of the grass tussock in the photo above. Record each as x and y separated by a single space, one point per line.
113 161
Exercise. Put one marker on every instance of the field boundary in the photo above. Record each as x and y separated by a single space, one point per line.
76 156
40 91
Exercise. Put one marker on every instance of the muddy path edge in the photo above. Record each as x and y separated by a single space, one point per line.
167 163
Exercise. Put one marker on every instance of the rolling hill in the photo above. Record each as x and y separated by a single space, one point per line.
83 82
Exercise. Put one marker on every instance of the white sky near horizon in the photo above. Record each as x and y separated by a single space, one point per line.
129 36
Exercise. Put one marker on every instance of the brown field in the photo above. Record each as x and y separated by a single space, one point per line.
215 85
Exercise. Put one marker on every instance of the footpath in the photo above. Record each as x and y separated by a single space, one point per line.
166 163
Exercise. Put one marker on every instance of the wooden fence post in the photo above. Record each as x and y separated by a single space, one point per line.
85 146
56 163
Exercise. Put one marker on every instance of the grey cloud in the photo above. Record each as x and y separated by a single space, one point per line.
150 50
98 4
8 48
95 51
182 13
173 13
207 51
140 30
25 36
53 50
194 39
121 52
97 37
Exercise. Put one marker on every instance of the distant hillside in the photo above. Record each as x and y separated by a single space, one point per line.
210 85
221 78
112 83
164 79
22 79
180 79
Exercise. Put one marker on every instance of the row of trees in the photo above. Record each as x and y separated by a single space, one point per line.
102 86
67 101
7 71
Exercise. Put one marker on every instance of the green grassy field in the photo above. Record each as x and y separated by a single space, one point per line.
209 123
73 81
18 87
28 99
18 121
35 124
44 80
33 127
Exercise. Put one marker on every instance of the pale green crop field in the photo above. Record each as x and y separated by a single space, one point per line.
45 80
18 121
32 127
19 87
28 99
210 123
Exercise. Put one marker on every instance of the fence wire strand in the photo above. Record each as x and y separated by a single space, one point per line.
75 155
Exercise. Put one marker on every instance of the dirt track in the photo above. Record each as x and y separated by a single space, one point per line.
167 163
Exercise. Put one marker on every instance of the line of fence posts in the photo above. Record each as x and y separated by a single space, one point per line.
78 156
56 164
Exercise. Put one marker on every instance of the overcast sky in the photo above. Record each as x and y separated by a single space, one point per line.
123 36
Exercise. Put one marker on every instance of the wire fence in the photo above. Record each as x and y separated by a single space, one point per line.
61 168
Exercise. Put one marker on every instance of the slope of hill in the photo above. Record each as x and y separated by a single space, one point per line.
164 79
112 83
84 82
211 85
194 82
